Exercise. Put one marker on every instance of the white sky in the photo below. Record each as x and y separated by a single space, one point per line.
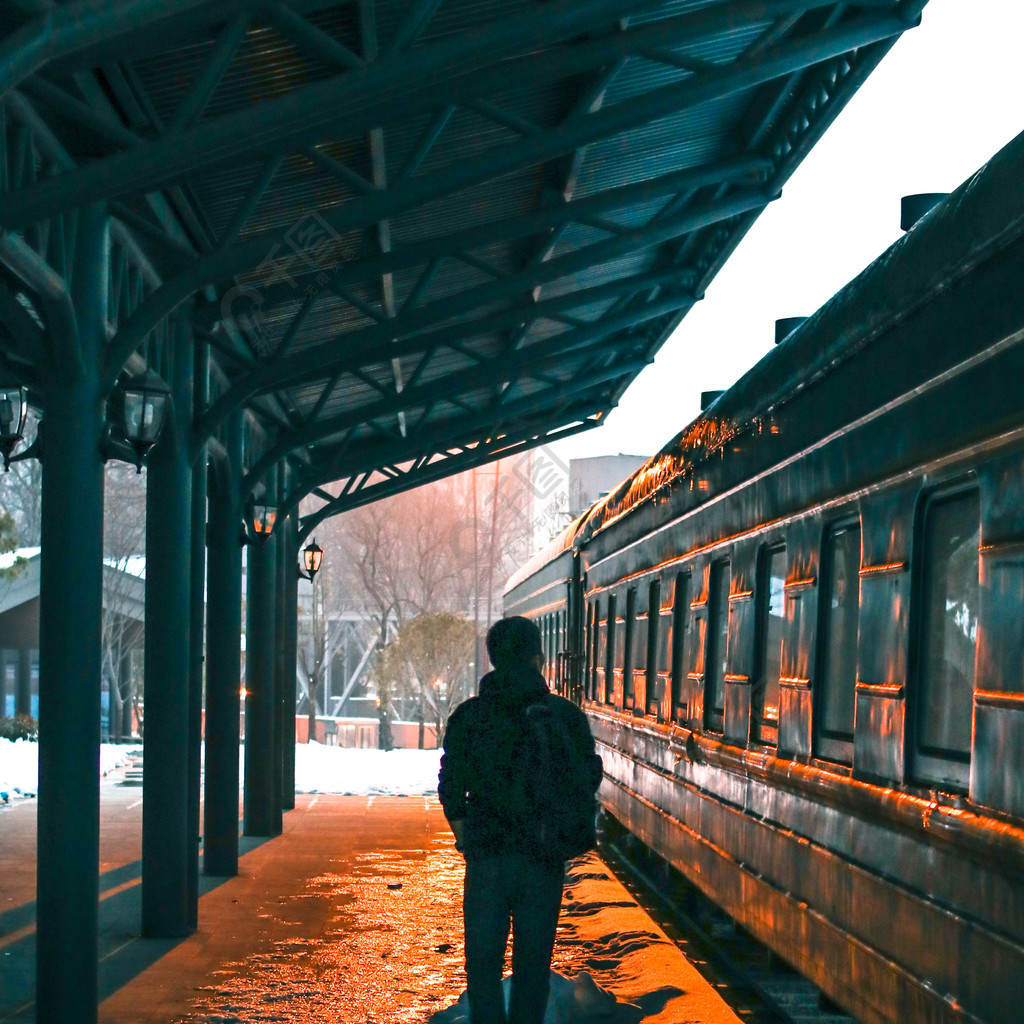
943 100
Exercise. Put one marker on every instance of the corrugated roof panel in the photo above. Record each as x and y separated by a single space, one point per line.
490 201
457 17
267 66
688 139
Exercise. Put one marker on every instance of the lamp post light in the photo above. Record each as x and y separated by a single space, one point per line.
13 406
143 409
312 556
260 517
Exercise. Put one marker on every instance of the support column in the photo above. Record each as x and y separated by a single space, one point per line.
70 602
197 619
23 685
165 813
289 650
261 801
223 659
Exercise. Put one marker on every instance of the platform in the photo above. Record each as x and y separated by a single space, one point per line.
352 915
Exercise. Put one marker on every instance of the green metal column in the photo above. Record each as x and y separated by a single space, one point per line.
70 602
262 799
223 658
289 654
197 615
165 811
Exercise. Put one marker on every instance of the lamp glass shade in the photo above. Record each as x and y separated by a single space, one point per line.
312 556
145 406
263 519
13 406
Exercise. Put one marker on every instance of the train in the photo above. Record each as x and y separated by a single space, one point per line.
798 630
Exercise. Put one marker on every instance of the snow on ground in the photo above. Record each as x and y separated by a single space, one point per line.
323 769
578 1000
318 768
19 764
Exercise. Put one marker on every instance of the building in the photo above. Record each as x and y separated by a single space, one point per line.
124 596
591 479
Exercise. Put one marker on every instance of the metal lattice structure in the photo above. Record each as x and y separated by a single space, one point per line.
417 234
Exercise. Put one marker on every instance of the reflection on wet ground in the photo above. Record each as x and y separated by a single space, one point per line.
391 950
354 916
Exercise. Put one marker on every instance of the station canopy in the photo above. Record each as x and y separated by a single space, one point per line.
417 235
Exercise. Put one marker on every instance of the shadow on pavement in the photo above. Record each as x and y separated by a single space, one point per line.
123 952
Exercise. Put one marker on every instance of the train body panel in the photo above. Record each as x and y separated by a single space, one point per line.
800 630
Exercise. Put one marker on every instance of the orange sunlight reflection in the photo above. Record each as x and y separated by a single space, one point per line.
391 950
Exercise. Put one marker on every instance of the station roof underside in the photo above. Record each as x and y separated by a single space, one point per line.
417 234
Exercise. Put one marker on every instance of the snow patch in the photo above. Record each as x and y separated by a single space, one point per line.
19 765
360 771
578 1000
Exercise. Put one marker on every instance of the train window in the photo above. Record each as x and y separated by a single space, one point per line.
718 644
947 635
641 643
654 675
771 617
601 671
546 634
677 605
588 651
628 652
609 659
616 647
836 691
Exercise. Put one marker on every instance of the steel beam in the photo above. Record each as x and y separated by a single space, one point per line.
466 460
748 170
166 845
70 603
567 137
64 30
542 357
368 344
197 646
224 663
289 654
261 801
493 58
465 429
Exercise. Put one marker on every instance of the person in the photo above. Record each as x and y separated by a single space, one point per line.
507 875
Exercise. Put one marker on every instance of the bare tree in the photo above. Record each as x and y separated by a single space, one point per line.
320 637
21 491
447 546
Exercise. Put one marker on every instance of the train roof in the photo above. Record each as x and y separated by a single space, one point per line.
984 215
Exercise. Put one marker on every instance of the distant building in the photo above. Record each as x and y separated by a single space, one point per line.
591 479
124 605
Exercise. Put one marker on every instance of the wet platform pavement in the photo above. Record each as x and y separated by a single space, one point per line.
352 915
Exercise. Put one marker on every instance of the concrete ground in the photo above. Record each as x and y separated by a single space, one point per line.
351 915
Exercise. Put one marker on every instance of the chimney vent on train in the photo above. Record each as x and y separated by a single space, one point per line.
913 208
708 398
786 326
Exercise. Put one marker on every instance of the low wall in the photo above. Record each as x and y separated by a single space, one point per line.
363 732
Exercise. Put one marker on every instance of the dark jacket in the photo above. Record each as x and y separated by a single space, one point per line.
481 755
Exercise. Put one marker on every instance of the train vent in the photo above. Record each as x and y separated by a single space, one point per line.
709 398
913 208
786 326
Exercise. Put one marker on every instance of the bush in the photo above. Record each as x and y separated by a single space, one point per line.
20 727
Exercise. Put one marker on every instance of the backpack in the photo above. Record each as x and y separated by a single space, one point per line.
556 782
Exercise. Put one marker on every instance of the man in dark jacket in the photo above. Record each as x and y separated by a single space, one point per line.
507 874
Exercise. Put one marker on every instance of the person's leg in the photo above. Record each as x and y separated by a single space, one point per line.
486 907
536 901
